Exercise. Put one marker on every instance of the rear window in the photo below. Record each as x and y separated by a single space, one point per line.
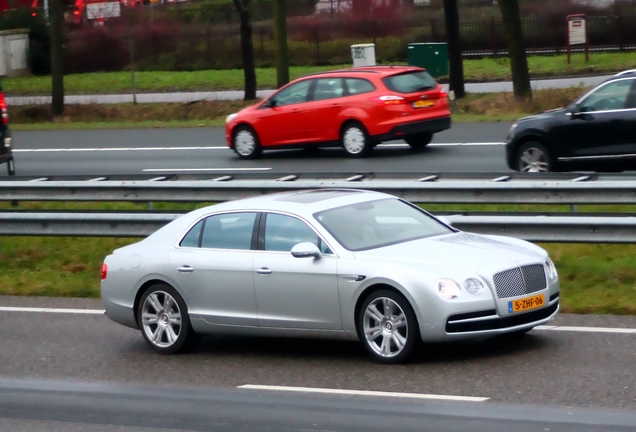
410 82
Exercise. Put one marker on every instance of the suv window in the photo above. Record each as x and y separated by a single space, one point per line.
410 82
358 86
328 88
611 96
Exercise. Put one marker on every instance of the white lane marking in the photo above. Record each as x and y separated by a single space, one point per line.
588 329
202 169
101 311
100 149
52 310
364 393
106 149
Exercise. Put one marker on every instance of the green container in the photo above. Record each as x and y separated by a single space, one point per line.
432 56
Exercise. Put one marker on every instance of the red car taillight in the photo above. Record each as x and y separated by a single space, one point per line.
3 109
389 100
104 271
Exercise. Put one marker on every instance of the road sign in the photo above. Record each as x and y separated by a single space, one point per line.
577 33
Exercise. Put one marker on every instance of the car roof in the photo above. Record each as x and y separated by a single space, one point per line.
370 70
302 202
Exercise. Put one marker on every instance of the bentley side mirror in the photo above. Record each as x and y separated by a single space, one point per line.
306 250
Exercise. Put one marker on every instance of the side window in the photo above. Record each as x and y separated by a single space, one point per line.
282 233
295 93
630 103
328 88
611 96
228 231
191 239
358 86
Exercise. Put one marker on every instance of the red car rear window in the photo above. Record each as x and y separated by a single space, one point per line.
410 82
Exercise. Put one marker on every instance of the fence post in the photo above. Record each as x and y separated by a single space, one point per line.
317 44
619 26
493 36
433 30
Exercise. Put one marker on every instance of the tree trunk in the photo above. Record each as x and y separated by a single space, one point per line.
247 49
456 78
516 49
280 34
57 58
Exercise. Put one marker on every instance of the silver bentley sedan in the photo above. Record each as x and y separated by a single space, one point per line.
331 262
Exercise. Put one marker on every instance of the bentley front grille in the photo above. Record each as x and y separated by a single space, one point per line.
520 281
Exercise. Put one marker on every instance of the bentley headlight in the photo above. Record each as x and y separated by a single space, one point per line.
473 286
550 269
447 289
230 117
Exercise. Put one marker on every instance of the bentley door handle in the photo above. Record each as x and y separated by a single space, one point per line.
264 271
185 269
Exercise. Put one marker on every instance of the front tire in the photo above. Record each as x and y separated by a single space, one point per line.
355 140
419 141
534 157
164 321
246 143
387 327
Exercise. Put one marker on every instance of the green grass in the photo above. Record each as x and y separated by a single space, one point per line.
486 69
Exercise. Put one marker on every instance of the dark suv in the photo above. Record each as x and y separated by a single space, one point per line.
597 132
5 137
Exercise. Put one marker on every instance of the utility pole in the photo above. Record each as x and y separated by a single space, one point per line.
57 58
280 34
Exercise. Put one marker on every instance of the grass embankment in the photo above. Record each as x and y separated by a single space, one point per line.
473 108
594 278
481 70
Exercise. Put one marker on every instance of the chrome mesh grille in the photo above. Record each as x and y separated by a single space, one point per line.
520 281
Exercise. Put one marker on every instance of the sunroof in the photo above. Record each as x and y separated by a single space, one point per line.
316 196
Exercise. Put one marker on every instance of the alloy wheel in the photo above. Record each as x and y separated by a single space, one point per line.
385 327
534 159
161 319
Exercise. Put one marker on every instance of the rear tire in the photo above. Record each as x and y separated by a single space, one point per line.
163 319
246 143
355 140
387 327
419 141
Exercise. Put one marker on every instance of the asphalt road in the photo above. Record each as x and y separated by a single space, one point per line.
89 357
203 150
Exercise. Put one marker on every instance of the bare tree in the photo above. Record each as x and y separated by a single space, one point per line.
280 34
456 78
516 49
247 48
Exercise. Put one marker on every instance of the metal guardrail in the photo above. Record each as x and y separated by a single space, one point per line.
422 190
472 188
558 229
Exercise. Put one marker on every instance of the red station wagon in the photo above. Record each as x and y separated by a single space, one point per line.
355 108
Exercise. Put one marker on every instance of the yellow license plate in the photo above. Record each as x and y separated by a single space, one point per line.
423 103
526 303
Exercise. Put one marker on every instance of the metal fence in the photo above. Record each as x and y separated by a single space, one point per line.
564 227
166 43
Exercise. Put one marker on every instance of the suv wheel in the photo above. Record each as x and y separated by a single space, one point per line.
355 141
419 141
534 157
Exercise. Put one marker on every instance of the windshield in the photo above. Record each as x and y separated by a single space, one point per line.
410 82
374 224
